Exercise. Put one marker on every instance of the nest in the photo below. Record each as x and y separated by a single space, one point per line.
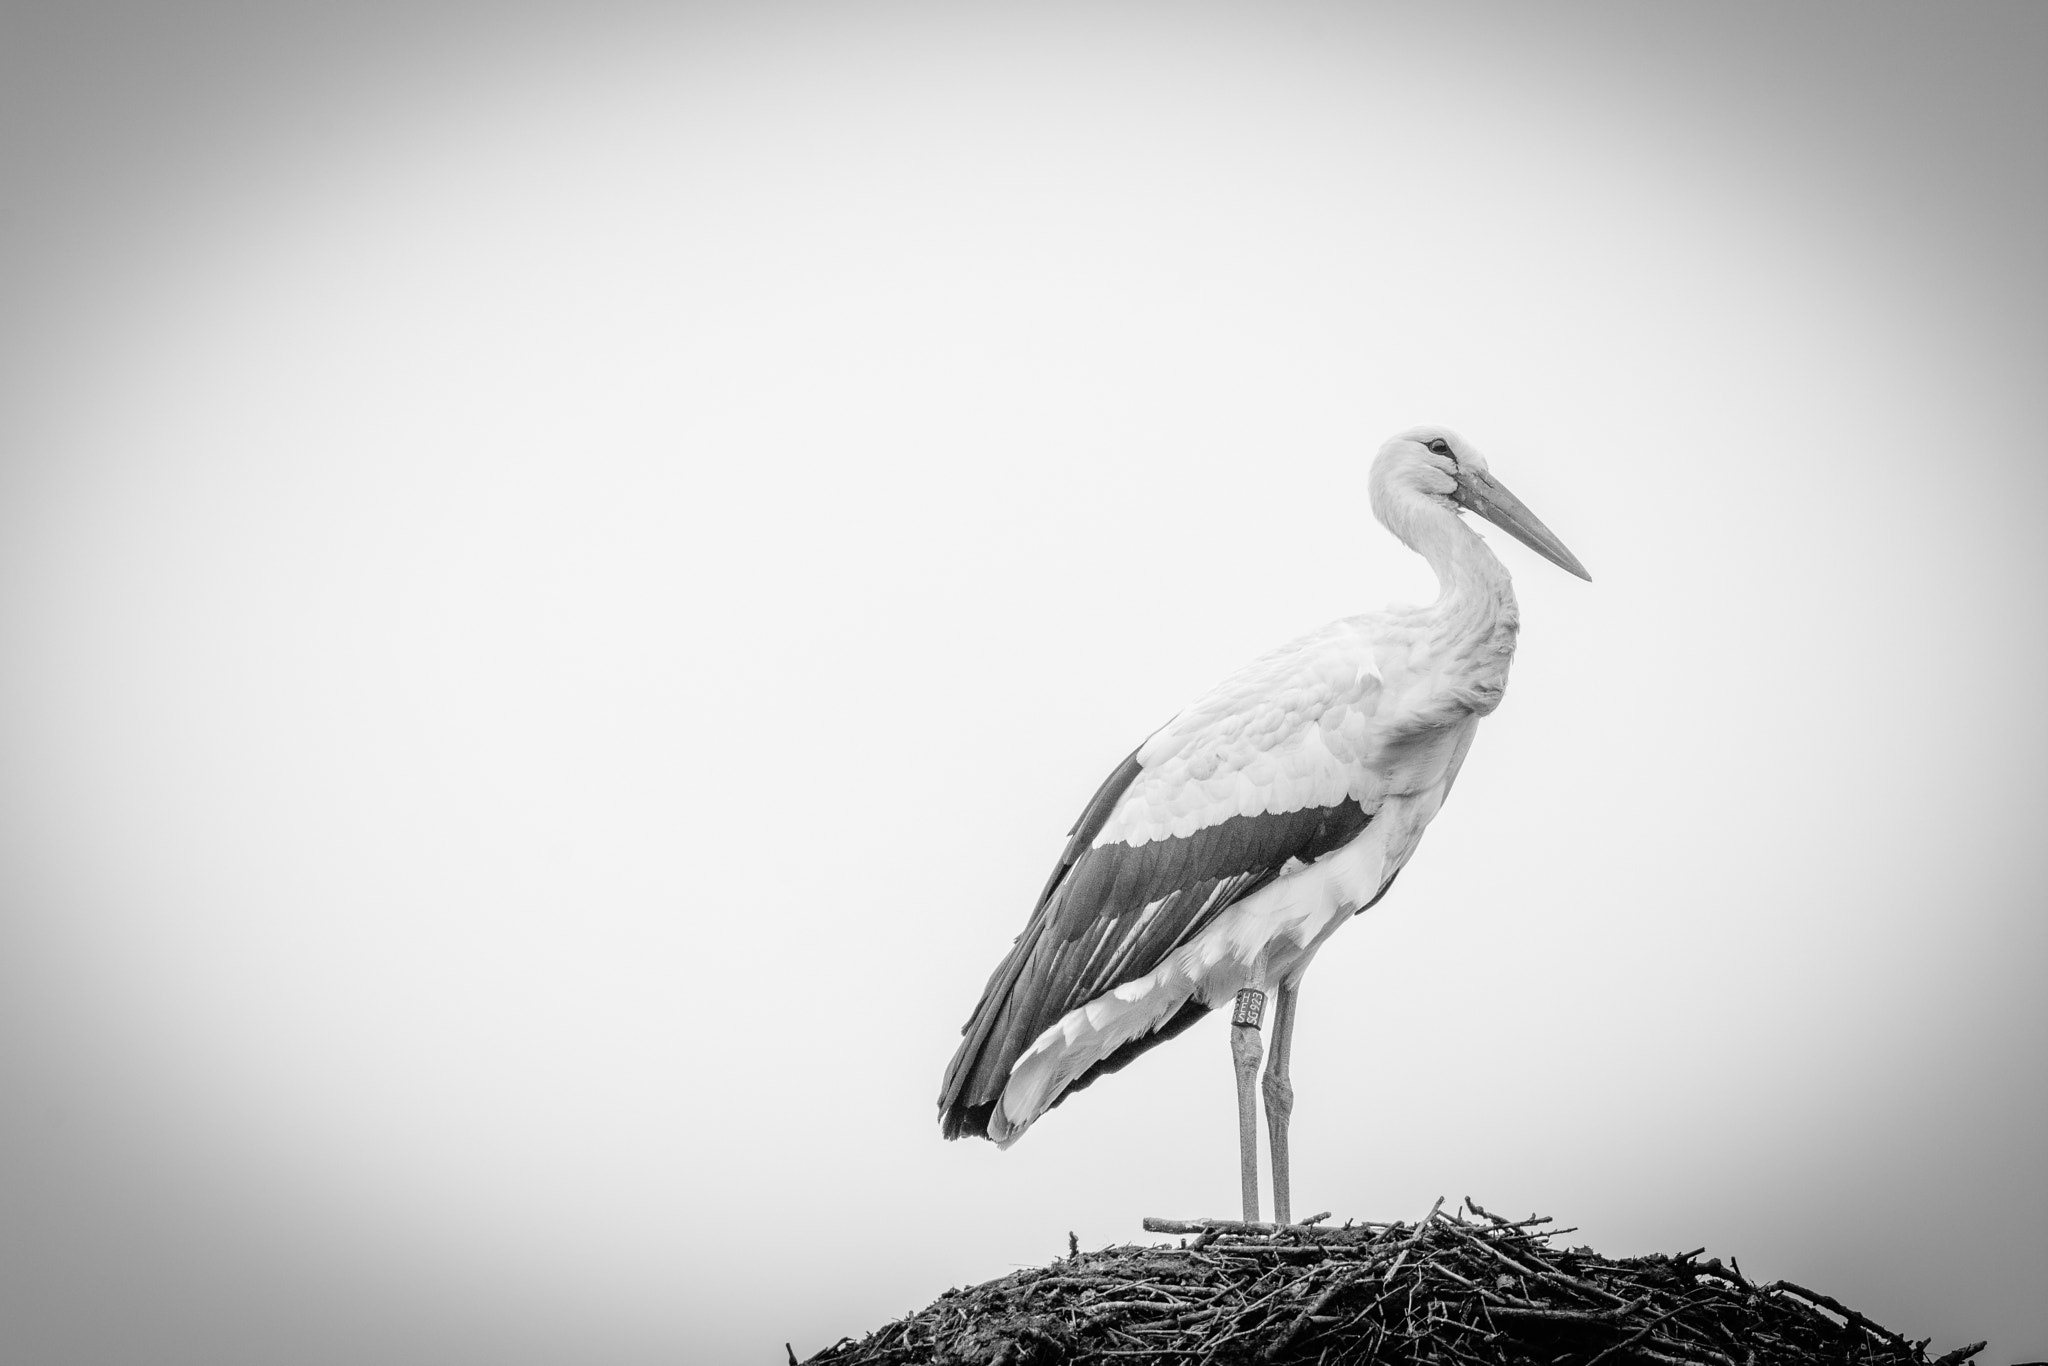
1447 1290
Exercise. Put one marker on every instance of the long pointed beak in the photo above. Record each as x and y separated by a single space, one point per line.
1490 498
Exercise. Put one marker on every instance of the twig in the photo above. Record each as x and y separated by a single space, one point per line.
1488 1214
1829 1302
1155 1224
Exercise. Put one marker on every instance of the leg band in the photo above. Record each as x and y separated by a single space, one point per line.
1251 1008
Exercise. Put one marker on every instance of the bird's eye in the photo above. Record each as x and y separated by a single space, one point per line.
1440 446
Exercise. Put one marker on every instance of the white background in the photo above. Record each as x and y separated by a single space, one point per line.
564 570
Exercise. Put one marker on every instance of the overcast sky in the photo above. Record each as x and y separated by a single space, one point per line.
565 568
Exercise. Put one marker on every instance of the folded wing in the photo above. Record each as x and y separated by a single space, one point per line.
1262 774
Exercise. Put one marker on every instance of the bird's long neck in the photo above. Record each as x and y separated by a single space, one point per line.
1474 620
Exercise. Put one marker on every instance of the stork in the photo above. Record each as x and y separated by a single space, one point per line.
1217 858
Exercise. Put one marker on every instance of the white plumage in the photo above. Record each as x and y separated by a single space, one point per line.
1217 858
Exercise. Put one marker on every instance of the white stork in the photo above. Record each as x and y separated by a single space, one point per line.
1221 854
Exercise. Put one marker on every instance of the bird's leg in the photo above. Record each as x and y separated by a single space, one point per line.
1280 1096
1245 1050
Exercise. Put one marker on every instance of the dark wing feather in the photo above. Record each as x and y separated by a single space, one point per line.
1001 982
1112 914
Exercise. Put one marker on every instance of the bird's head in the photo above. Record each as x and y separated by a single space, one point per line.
1437 464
